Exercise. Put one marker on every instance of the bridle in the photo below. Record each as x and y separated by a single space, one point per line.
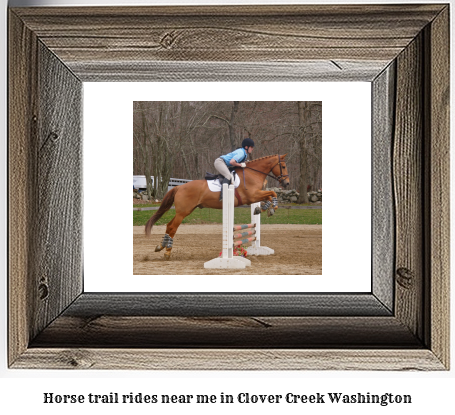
280 178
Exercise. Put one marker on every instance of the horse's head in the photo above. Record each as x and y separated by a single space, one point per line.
281 171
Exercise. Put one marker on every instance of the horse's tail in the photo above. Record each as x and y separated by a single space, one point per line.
165 206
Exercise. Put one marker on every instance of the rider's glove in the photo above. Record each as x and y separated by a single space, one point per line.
243 165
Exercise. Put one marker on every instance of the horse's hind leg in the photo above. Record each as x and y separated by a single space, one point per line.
166 239
186 200
171 229
164 242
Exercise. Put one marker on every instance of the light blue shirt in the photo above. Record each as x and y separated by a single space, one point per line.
238 155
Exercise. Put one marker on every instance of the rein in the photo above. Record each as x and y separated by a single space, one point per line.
279 178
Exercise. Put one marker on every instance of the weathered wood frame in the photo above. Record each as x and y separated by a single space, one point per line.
403 50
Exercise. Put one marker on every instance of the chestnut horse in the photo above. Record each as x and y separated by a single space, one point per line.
196 193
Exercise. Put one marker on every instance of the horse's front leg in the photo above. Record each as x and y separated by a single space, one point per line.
270 200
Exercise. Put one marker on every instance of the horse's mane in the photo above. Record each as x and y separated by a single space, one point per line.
261 158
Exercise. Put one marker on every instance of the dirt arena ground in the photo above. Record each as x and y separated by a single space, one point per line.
298 251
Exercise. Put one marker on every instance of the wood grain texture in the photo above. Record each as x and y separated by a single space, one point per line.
383 215
310 71
57 191
408 188
45 175
21 130
90 305
439 189
235 359
60 47
255 332
226 34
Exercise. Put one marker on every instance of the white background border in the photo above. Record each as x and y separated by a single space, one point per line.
346 141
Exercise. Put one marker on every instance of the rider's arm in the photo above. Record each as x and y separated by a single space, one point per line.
238 154
234 163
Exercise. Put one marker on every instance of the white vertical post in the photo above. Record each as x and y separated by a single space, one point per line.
230 223
226 222
256 248
227 259
256 220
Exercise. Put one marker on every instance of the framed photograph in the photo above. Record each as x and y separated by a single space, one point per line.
400 323
295 235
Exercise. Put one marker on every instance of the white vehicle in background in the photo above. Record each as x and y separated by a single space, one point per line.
140 183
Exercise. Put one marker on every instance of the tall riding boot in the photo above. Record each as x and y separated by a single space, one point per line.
228 181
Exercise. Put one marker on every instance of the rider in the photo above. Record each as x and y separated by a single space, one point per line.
235 159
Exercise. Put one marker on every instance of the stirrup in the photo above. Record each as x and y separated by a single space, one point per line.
227 181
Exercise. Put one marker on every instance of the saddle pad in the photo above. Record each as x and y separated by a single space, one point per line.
214 185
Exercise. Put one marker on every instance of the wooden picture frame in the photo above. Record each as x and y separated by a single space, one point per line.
402 324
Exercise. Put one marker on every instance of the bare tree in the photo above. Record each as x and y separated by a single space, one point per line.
232 138
163 156
142 142
182 139
151 123
310 145
303 180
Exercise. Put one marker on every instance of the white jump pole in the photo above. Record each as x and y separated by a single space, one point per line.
227 258
256 248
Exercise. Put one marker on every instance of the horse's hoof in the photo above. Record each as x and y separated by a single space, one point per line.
270 212
257 210
167 255
158 248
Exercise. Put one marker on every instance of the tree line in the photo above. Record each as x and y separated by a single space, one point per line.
182 139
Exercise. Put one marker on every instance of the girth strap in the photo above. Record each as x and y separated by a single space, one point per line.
237 195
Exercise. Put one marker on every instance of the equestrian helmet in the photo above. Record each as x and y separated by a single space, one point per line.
247 142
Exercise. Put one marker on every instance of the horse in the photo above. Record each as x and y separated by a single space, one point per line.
196 193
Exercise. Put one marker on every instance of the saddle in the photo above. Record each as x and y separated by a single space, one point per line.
219 177
211 176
